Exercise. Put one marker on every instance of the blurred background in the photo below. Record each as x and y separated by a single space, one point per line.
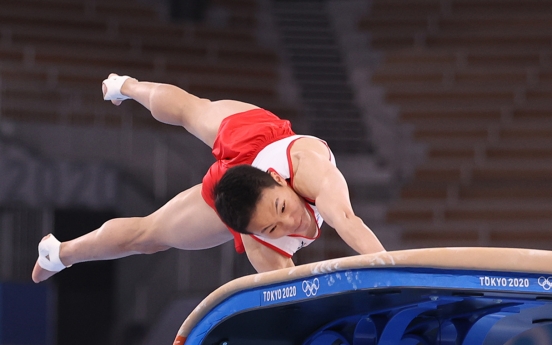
439 113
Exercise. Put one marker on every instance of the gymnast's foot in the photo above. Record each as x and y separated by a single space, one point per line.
49 261
113 88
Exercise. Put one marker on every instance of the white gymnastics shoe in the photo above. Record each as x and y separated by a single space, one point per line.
113 85
48 254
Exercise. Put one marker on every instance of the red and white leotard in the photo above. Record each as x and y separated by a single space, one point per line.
261 139
276 157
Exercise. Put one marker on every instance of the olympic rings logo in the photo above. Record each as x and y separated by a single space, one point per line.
545 283
310 288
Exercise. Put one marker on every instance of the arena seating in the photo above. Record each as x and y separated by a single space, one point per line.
54 54
473 79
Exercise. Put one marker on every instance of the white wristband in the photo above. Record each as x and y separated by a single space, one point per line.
48 254
113 85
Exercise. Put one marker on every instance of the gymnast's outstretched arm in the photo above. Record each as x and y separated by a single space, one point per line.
318 179
185 222
172 105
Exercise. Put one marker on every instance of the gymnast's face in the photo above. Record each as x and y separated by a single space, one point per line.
280 212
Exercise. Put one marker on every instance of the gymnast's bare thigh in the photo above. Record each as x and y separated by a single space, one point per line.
206 122
187 222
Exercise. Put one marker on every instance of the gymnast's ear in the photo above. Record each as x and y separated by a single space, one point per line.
278 178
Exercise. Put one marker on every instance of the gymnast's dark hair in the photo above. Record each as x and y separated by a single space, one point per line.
237 194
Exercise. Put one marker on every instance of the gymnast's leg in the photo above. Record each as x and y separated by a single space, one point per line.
185 222
172 105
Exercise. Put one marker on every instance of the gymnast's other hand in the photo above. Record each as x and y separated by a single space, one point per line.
49 261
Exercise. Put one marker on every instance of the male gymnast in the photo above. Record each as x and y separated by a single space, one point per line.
269 189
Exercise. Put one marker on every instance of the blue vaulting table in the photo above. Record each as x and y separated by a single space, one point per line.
448 296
